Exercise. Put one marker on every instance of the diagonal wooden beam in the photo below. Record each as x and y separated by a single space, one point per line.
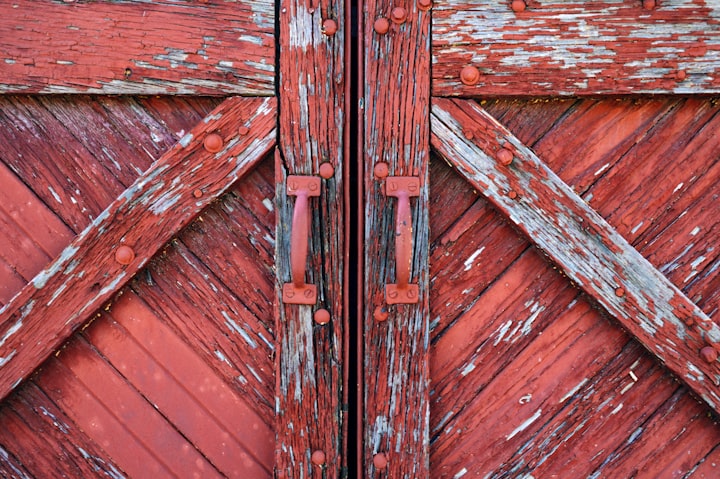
581 242
143 218
152 47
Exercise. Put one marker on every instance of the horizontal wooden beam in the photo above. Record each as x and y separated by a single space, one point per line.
590 252
151 47
143 218
576 47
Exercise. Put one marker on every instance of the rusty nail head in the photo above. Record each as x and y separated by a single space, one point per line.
198 193
243 130
124 255
518 6
470 75
327 170
398 15
424 4
649 4
381 26
380 461
213 143
322 316
468 134
318 458
505 156
329 27
381 170
709 354
380 313
512 194
681 75
619 292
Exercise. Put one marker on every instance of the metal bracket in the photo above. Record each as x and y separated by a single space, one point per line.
402 188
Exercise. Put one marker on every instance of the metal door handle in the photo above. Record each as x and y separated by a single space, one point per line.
298 292
402 188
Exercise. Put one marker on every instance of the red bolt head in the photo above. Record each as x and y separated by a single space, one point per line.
470 75
318 458
505 156
649 4
321 316
380 313
681 75
243 130
124 255
398 15
198 193
213 143
709 354
327 170
424 4
380 461
329 27
381 170
468 134
512 195
518 6
619 292
381 26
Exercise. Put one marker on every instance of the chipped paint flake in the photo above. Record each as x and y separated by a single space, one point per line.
471 259
524 425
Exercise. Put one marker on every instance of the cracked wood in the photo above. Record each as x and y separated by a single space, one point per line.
161 202
590 251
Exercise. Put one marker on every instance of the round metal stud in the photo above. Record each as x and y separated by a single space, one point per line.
381 170
649 4
619 292
380 314
327 170
213 143
198 193
709 354
680 75
518 6
424 5
124 255
380 461
512 194
470 75
381 26
329 27
321 316
398 15
318 458
505 156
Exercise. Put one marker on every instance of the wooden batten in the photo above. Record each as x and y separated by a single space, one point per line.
159 48
201 167
598 259
575 47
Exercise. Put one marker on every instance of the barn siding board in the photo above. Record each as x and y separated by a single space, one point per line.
576 48
146 48
170 183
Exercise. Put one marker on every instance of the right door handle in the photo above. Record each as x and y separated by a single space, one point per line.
402 188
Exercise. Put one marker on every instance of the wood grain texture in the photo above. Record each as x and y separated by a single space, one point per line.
396 124
576 48
151 48
154 208
310 393
598 259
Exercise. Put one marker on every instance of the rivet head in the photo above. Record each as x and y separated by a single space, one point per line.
381 170
380 314
505 156
470 75
619 292
243 130
213 143
649 4
381 26
318 458
468 134
709 354
424 4
124 255
518 6
198 193
681 75
329 27
398 15
321 316
512 194
380 461
327 170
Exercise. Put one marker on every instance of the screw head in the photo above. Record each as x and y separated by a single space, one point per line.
318 458
709 354
124 255
380 461
329 27
243 130
518 6
398 15
321 316
327 170
505 156
381 314
381 170
424 5
470 75
381 26
213 143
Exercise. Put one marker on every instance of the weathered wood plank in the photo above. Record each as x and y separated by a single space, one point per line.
396 378
573 47
150 48
309 362
596 257
144 218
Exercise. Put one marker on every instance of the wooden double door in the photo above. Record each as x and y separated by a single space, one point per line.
432 241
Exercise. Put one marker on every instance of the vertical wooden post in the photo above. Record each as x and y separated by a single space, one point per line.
309 354
396 124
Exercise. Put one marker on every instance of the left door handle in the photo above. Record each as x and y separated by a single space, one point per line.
299 292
